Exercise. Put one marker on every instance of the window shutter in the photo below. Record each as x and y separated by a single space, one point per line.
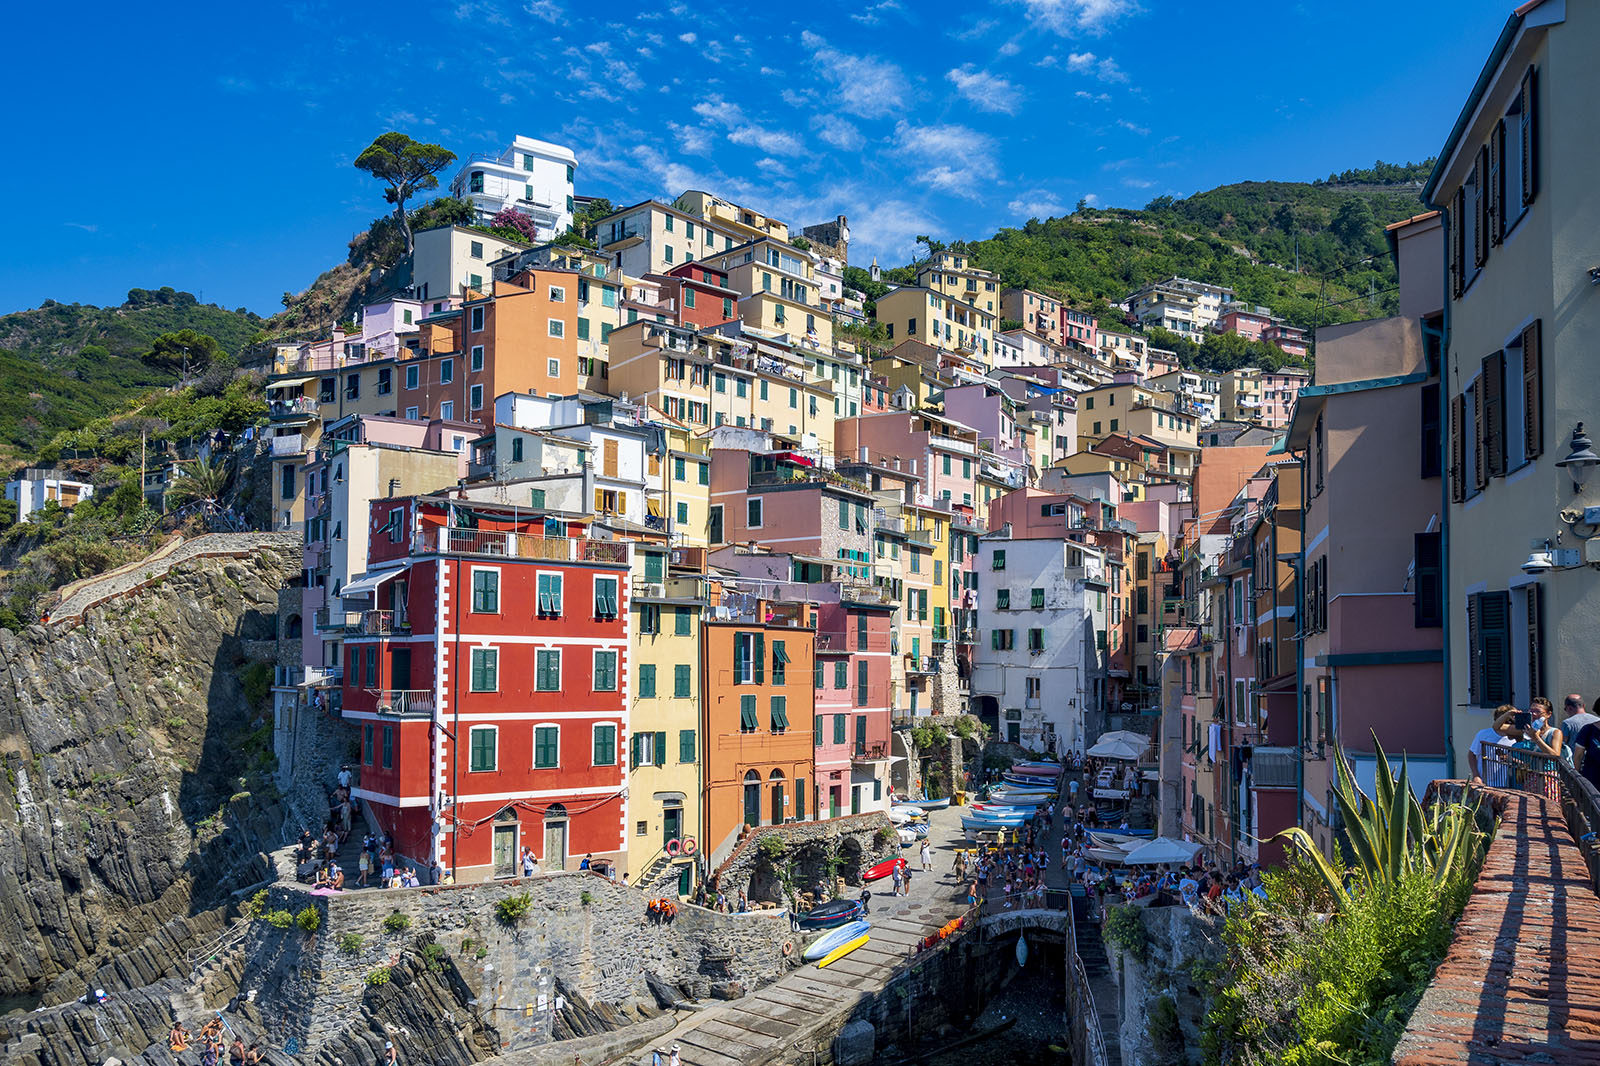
1480 454
1535 639
1458 241
661 748
1458 448
1480 207
758 658
1529 133
1474 652
1426 576
634 761
1495 190
599 501
1494 626
1532 394
1493 401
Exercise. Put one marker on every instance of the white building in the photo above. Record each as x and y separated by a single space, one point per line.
1180 305
534 177
1039 661
36 487
652 238
565 453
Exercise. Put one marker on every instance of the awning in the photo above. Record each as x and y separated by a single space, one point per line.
368 583
289 383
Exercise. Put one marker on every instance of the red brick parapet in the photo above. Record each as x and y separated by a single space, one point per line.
1520 982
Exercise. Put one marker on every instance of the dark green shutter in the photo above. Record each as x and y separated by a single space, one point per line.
661 748
633 761
687 752
758 657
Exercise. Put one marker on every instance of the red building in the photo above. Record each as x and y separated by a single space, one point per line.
851 733
702 294
489 684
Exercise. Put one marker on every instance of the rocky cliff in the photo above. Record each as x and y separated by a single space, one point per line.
136 749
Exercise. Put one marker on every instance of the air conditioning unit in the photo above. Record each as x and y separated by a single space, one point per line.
654 589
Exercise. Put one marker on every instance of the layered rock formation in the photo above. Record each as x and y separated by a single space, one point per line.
136 768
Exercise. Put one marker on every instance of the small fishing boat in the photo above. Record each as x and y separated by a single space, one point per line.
827 915
883 869
1043 769
927 805
907 810
998 810
834 938
1021 799
842 950
989 824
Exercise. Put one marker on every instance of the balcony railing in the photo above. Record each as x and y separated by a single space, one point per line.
891 523
799 475
925 665
300 410
869 752
404 702
941 633
381 623
334 620
457 541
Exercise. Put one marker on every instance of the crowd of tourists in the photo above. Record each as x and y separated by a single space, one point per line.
1520 748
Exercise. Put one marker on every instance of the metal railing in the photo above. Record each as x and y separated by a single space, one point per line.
451 540
304 407
379 623
404 701
1088 1042
1580 802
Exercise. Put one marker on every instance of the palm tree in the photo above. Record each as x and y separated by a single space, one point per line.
204 480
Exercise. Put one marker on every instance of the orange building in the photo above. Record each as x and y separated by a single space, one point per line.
756 717
523 338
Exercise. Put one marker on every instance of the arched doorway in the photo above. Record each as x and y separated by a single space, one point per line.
555 837
506 826
777 797
294 628
752 798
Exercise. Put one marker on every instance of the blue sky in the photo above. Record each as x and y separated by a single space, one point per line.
208 147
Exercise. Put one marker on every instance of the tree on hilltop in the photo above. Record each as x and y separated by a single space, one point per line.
182 351
406 167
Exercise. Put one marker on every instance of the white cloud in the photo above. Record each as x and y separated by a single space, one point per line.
886 228
687 38
1143 131
954 158
1036 204
544 9
839 132
1088 63
1072 18
1098 98
1138 183
872 87
1091 200
985 91
693 140
1010 48
874 14
87 227
774 141
742 131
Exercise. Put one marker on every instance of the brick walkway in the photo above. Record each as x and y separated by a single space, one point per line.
1521 980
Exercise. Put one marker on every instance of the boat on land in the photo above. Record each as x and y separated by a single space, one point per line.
927 805
1037 769
830 914
842 950
834 938
908 810
1020 799
987 825
883 869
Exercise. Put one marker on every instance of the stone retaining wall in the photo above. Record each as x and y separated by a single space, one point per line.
132 577
586 944
807 844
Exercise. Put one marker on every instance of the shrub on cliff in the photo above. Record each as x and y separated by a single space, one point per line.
309 919
279 919
1124 929
397 922
377 977
255 906
512 909
350 943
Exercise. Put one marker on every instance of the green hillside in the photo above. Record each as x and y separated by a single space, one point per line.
1243 236
71 363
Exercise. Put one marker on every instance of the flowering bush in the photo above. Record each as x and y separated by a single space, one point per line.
517 224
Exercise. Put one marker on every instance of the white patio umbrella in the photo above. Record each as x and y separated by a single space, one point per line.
1164 850
1140 739
1118 749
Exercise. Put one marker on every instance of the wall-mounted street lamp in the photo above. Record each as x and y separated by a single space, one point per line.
1580 460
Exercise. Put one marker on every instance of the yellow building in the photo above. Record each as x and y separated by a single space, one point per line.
780 291
952 274
686 491
1239 399
742 222
664 778
1140 411
924 314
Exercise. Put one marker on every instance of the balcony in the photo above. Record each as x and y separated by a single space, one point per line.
874 752
923 667
941 634
623 237
332 620
303 409
443 540
382 623
887 522
404 702
288 444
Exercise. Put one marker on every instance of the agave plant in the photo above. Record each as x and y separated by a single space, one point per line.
1390 835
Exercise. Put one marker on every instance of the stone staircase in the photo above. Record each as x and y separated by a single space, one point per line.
1107 995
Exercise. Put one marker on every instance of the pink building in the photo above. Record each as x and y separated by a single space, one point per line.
1279 388
1247 323
854 648
941 451
1079 329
